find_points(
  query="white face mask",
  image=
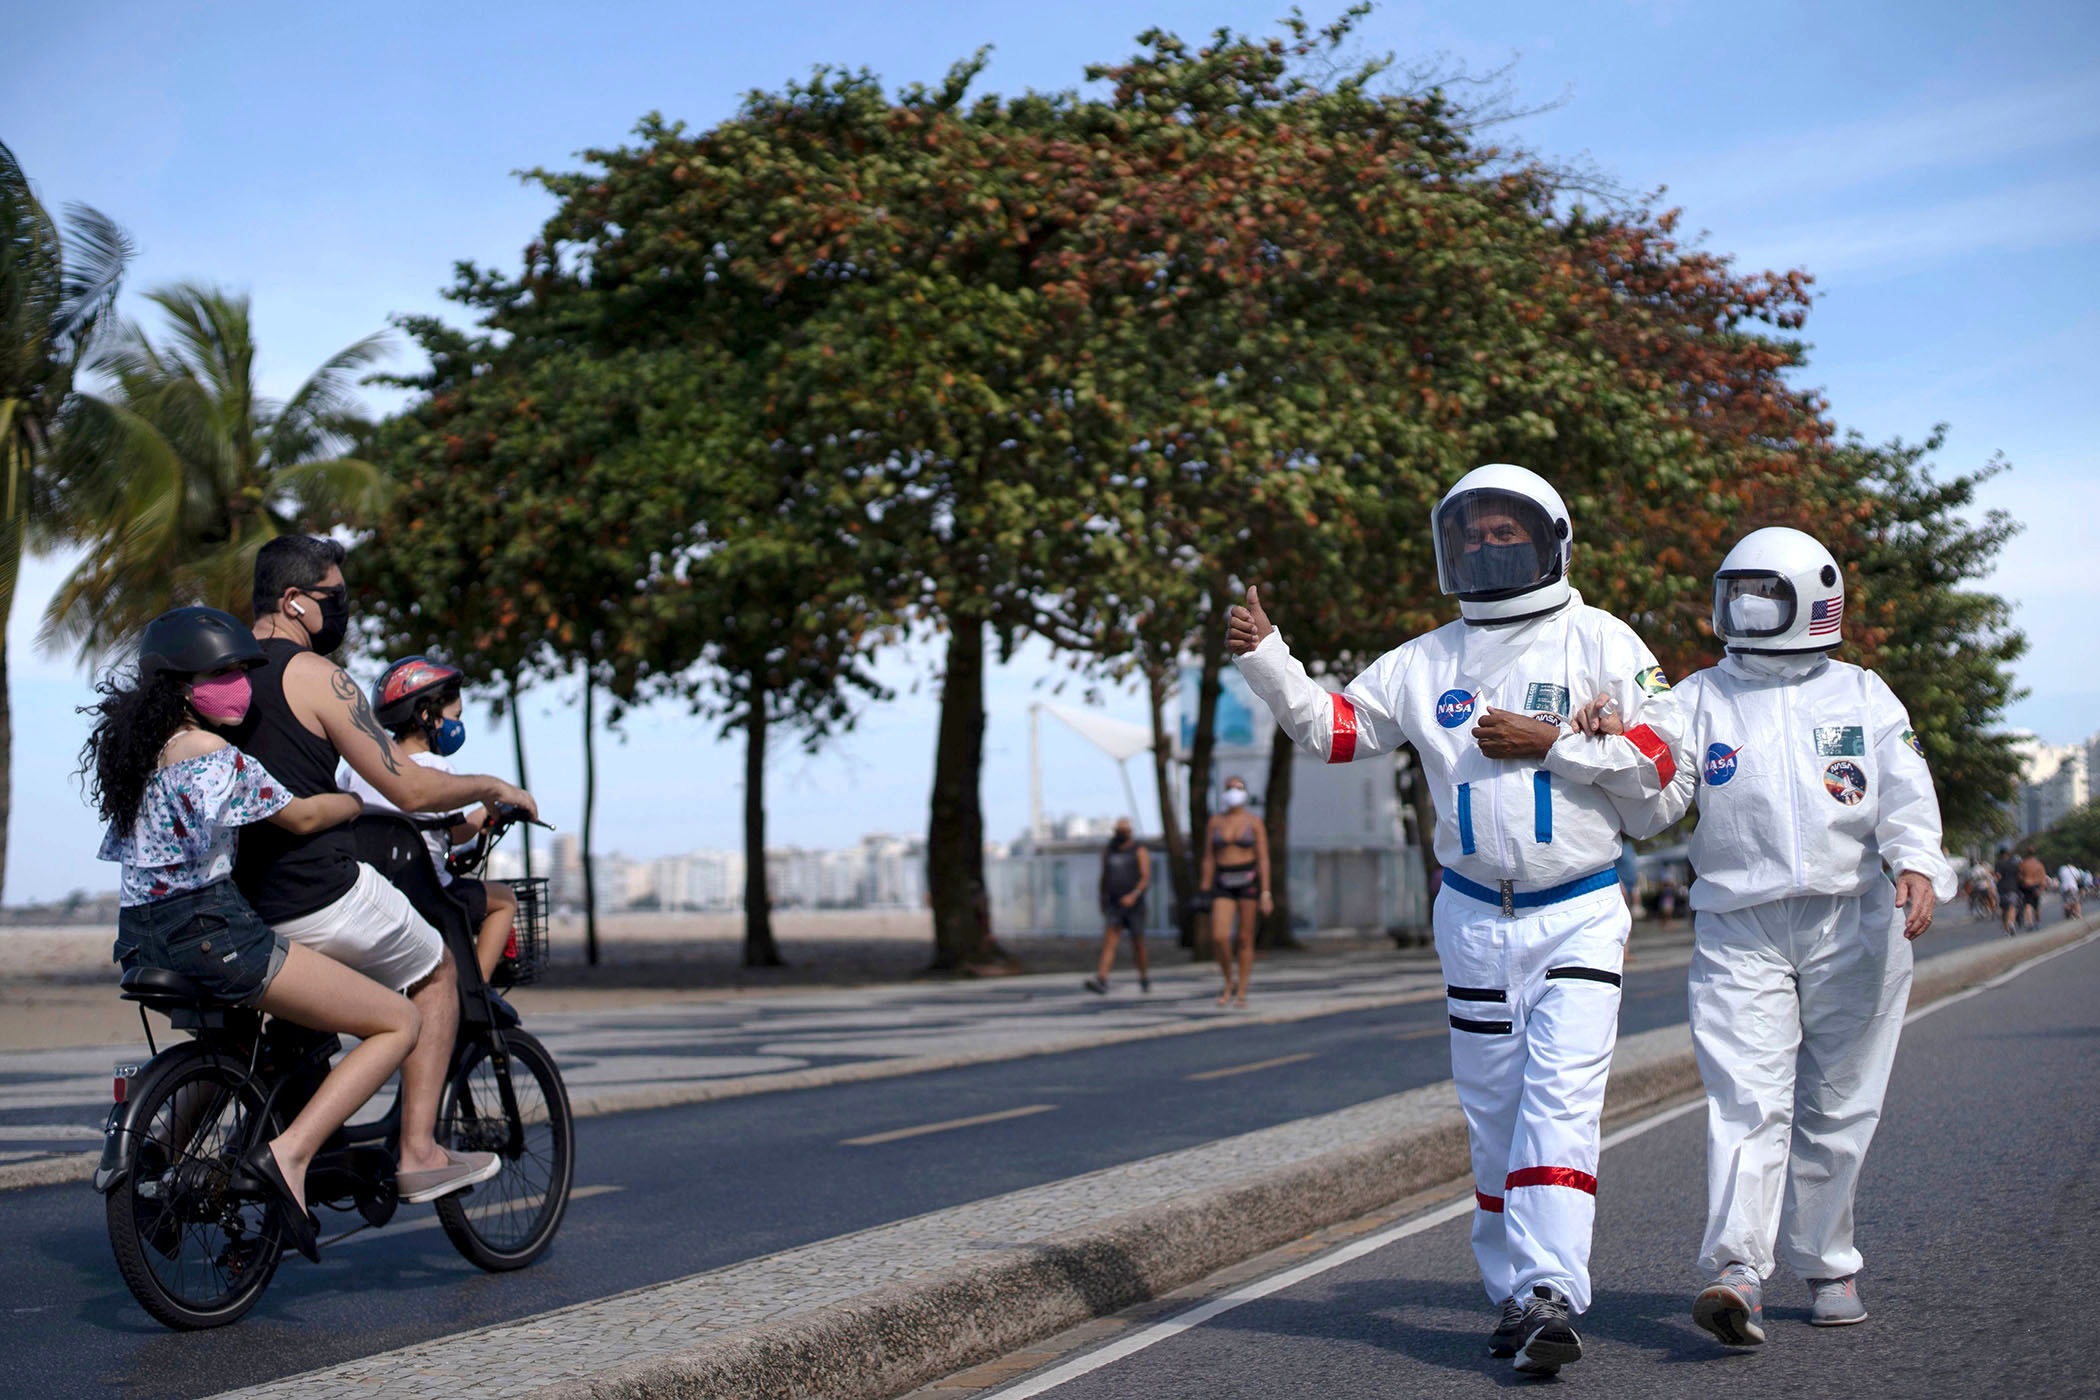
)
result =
(1235, 797)
(1752, 614)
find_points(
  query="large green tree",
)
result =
(172, 478)
(57, 287)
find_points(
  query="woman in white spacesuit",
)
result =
(1530, 927)
(1809, 779)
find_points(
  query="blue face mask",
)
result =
(445, 741)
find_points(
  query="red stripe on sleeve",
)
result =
(1551, 1176)
(1487, 1202)
(1343, 749)
(1654, 750)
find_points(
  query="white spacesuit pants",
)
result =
(1796, 1009)
(1534, 1007)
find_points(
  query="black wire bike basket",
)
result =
(525, 955)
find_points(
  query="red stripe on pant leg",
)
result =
(1343, 749)
(1654, 750)
(1551, 1176)
(1487, 1202)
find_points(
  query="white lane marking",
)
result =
(1253, 1292)
(1249, 1069)
(895, 1133)
(390, 1230)
(48, 1132)
(2000, 980)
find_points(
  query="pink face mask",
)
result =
(222, 699)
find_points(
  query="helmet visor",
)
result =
(1494, 544)
(1750, 606)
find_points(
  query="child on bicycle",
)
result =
(418, 701)
(175, 796)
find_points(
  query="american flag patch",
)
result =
(1824, 617)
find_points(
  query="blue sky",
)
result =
(1936, 166)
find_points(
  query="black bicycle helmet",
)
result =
(405, 682)
(196, 642)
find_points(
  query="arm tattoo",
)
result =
(361, 715)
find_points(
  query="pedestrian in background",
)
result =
(1236, 876)
(2008, 873)
(2033, 876)
(1809, 779)
(1126, 873)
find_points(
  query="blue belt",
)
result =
(1509, 901)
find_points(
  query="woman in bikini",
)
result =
(1236, 874)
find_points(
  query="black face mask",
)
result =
(1119, 840)
(1494, 567)
(335, 623)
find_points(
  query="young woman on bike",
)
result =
(1236, 874)
(175, 797)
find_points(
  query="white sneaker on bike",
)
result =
(461, 1170)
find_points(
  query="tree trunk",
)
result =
(517, 743)
(590, 802)
(1275, 930)
(759, 948)
(1209, 682)
(955, 883)
(1181, 874)
(11, 536)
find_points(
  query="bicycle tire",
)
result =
(196, 1106)
(507, 1221)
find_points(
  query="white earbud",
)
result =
(298, 611)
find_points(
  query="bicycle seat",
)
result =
(156, 986)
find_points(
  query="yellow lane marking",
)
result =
(895, 1133)
(1249, 1069)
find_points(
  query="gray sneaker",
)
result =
(461, 1170)
(1502, 1342)
(1837, 1302)
(1548, 1340)
(1732, 1307)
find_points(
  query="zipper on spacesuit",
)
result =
(1793, 780)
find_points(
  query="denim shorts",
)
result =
(210, 936)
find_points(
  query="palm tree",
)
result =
(177, 475)
(56, 289)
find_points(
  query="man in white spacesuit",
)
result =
(1530, 927)
(1809, 778)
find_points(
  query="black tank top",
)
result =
(283, 874)
(1119, 870)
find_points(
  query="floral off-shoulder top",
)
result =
(189, 822)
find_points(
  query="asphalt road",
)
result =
(1977, 1215)
(671, 1192)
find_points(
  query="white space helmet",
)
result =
(1503, 544)
(1779, 591)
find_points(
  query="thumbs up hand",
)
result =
(1247, 624)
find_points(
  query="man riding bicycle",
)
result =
(306, 716)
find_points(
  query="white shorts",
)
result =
(373, 929)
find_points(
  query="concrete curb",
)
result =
(905, 1335)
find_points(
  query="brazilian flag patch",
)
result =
(1652, 680)
(1910, 737)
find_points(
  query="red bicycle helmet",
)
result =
(406, 681)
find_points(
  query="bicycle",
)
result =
(197, 1240)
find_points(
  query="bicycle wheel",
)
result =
(506, 1221)
(195, 1249)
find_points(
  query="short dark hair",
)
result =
(292, 561)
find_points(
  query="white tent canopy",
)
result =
(1117, 738)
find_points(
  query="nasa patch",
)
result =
(1652, 680)
(1845, 781)
(1454, 707)
(1910, 737)
(1720, 764)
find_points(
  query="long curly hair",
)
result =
(135, 720)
